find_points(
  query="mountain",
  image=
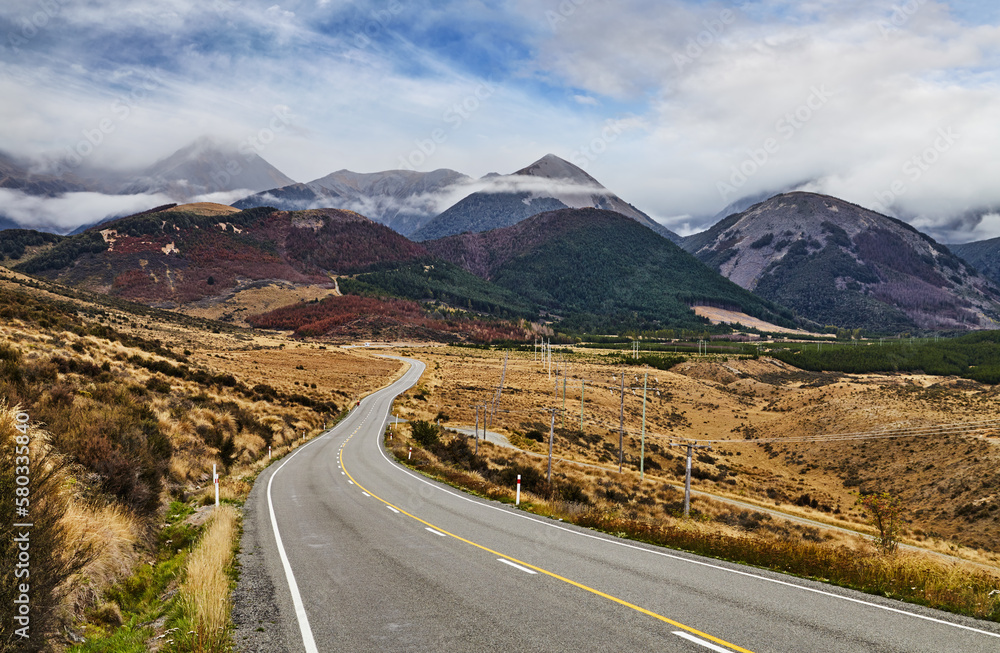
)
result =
(185, 254)
(403, 200)
(548, 184)
(599, 270)
(190, 252)
(206, 166)
(839, 264)
(17, 174)
(984, 255)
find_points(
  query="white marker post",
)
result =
(269, 452)
(215, 479)
(410, 454)
(517, 500)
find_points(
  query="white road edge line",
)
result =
(701, 642)
(400, 468)
(428, 528)
(525, 569)
(300, 609)
(393, 509)
(366, 494)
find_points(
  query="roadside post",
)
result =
(687, 477)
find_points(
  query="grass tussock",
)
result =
(205, 591)
(650, 512)
(114, 534)
(37, 560)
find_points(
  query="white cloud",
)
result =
(68, 211)
(702, 87)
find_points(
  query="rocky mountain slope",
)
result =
(547, 184)
(206, 166)
(984, 255)
(838, 264)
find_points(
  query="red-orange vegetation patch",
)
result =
(355, 316)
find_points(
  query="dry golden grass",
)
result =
(205, 590)
(204, 208)
(115, 535)
(237, 306)
(729, 400)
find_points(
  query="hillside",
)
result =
(836, 263)
(599, 270)
(486, 211)
(177, 257)
(548, 184)
(984, 255)
(214, 260)
(138, 405)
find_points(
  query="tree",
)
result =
(884, 513)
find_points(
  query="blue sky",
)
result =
(679, 107)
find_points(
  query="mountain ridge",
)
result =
(550, 183)
(837, 263)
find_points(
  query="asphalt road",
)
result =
(345, 550)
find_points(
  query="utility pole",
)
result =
(496, 398)
(550, 359)
(582, 384)
(621, 428)
(477, 432)
(642, 447)
(564, 399)
(687, 477)
(552, 435)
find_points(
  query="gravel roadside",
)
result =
(255, 605)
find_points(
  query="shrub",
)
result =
(424, 433)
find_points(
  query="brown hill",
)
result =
(189, 253)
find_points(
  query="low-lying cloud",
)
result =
(66, 212)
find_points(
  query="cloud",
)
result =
(68, 211)
(377, 84)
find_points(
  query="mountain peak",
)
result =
(837, 263)
(207, 165)
(551, 166)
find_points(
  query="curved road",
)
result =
(362, 554)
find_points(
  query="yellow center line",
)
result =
(676, 624)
